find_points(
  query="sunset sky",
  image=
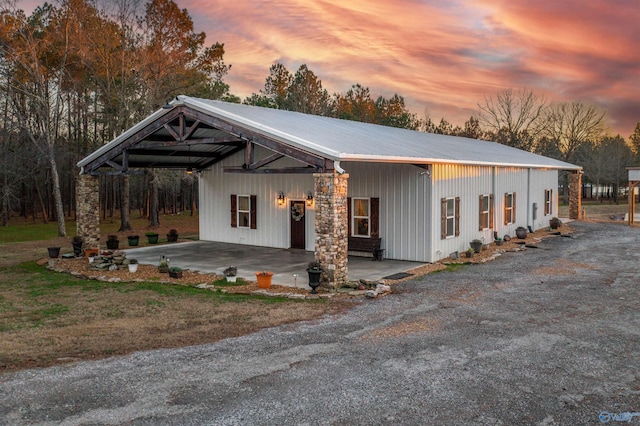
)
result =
(443, 56)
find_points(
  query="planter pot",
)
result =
(153, 239)
(231, 279)
(314, 279)
(499, 242)
(92, 252)
(476, 246)
(521, 233)
(470, 253)
(163, 269)
(54, 252)
(172, 238)
(133, 267)
(264, 279)
(133, 241)
(555, 223)
(173, 274)
(113, 244)
(77, 248)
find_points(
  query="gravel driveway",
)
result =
(545, 336)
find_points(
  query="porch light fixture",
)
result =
(309, 199)
(280, 198)
(189, 168)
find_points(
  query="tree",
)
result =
(569, 125)
(472, 129)
(355, 105)
(514, 117)
(37, 52)
(306, 93)
(174, 59)
(635, 143)
(393, 112)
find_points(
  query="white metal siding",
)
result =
(404, 210)
(273, 226)
(468, 183)
(410, 203)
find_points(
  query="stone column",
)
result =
(331, 226)
(88, 210)
(575, 195)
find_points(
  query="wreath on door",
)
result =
(297, 212)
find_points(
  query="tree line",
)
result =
(75, 75)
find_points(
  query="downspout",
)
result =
(495, 198)
(337, 168)
(529, 207)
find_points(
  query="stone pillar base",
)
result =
(88, 210)
(331, 226)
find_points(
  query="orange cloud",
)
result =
(444, 56)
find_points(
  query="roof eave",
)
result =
(426, 160)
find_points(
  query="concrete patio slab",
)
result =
(288, 265)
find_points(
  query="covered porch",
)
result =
(288, 265)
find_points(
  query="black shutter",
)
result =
(252, 211)
(375, 217)
(234, 211)
(443, 218)
(348, 216)
(457, 216)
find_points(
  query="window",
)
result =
(548, 202)
(363, 217)
(486, 212)
(509, 208)
(360, 217)
(450, 220)
(243, 211)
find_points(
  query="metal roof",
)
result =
(342, 140)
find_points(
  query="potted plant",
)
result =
(175, 272)
(91, 252)
(54, 252)
(133, 265)
(521, 232)
(112, 242)
(264, 279)
(76, 243)
(470, 251)
(499, 241)
(133, 240)
(230, 274)
(163, 267)
(314, 269)
(152, 237)
(555, 223)
(476, 245)
(172, 236)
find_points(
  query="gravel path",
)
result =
(545, 336)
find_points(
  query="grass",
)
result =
(49, 318)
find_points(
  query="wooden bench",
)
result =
(366, 245)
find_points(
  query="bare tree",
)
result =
(514, 117)
(569, 125)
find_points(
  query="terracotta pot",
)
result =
(91, 252)
(264, 279)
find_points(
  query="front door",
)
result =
(297, 224)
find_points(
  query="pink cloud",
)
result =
(441, 56)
